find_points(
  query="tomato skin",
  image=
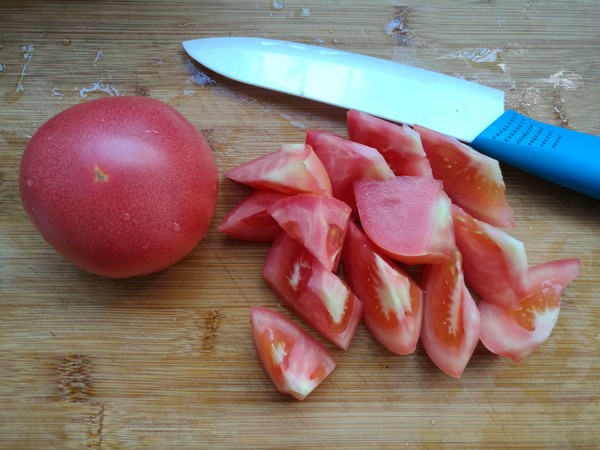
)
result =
(120, 186)
(515, 334)
(451, 323)
(295, 361)
(392, 302)
(316, 294)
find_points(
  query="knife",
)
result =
(467, 111)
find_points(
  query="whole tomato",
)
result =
(120, 186)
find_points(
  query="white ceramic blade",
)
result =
(383, 88)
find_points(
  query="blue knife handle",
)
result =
(562, 156)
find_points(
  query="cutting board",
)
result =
(166, 360)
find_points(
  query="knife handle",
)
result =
(562, 156)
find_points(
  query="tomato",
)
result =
(392, 302)
(515, 334)
(295, 361)
(318, 222)
(317, 295)
(408, 218)
(346, 162)
(399, 144)
(494, 263)
(451, 322)
(120, 186)
(249, 219)
(471, 179)
(291, 169)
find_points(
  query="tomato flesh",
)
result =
(317, 295)
(471, 179)
(517, 333)
(451, 322)
(295, 362)
(318, 222)
(400, 145)
(408, 218)
(292, 169)
(249, 219)
(392, 302)
(346, 162)
(494, 263)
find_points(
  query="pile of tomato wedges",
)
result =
(349, 217)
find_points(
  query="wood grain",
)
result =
(166, 361)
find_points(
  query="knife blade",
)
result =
(468, 111)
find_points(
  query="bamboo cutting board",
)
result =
(166, 361)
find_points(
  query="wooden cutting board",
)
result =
(166, 361)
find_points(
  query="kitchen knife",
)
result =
(468, 111)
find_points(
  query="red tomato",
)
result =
(451, 323)
(120, 186)
(471, 179)
(318, 222)
(295, 361)
(292, 169)
(494, 263)
(515, 334)
(346, 162)
(399, 144)
(317, 295)
(249, 219)
(392, 302)
(408, 218)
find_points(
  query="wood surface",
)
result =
(166, 361)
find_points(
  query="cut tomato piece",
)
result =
(451, 322)
(295, 361)
(249, 219)
(515, 334)
(494, 263)
(471, 179)
(346, 162)
(408, 218)
(292, 169)
(392, 302)
(318, 222)
(317, 295)
(400, 145)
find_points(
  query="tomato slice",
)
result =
(346, 162)
(317, 295)
(515, 334)
(392, 302)
(471, 179)
(317, 221)
(451, 322)
(408, 218)
(295, 361)
(494, 263)
(400, 145)
(292, 169)
(249, 219)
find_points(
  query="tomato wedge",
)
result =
(392, 302)
(295, 361)
(451, 322)
(346, 162)
(494, 263)
(408, 218)
(471, 179)
(249, 219)
(317, 295)
(400, 145)
(318, 222)
(515, 334)
(292, 169)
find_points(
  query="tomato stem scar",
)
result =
(100, 176)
